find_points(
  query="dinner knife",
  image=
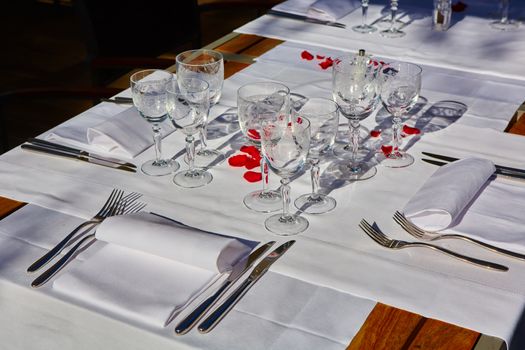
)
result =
(305, 18)
(501, 172)
(238, 270)
(211, 321)
(498, 167)
(118, 100)
(45, 143)
(65, 154)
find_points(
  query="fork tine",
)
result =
(377, 236)
(113, 204)
(108, 201)
(407, 225)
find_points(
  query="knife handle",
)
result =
(211, 321)
(189, 321)
(53, 151)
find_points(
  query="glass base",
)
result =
(397, 159)
(263, 202)
(319, 204)
(394, 33)
(192, 179)
(385, 23)
(160, 168)
(286, 226)
(363, 171)
(206, 157)
(364, 28)
(345, 152)
(505, 25)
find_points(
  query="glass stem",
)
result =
(285, 193)
(393, 12)
(190, 151)
(364, 11)
(354, 139)
(396, 134)
(263, 176)
(202, 136)
(314, 174)
(504, 11)
(157, 138)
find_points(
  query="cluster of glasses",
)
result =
(392, 30)
(185, 100)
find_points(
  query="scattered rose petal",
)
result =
(252, 176)
(459, 7)
(386, 150)
(254, 134)
(326, 63)
(252, 151)
(375, 133)
(238, 160)
(408, 130)
(305, 55)
(252, 163)
(319, 57)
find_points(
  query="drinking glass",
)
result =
(355, 88)
(364, 27)
(505, 23)
(148, 89)
(188, 104)
(285, 144)
(400, 87)
(207, 65)
(392, 31)
(257, 102)
(324, 121)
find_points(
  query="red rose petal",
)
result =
(459, 7)
(326, 63)
(254, 134)
(252, 176)
(252, 151)
(305, 55)
(252, 163)
(386, 149)
(319, 57)
(238, 160)
(408, 130)
(375, 133)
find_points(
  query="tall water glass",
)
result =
(392, 31)
(364, 27)
(505, 23)
(148, 89)
(355, 88)
(285, 144)
(188, 104)
(324, 120)
(256, 103)
(207, 65)
(400, 87)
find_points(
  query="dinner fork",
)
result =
(108, 209)
(417, 232)
(46, 275)
(380, 238)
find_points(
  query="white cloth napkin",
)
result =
(150, 269)
(327, 10)
(126, 135)
(442, 199)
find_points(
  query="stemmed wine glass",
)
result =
(188, 104)
(364, 27)
(285, 144)
(324, 121)
(355, 88)
(257, 102)
(400, 87)
(207, 65)
(505, 23)
(392, 31)
(148, 89)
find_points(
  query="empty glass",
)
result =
(355, 88)
(285, 144)
(364, 27)
(188, 104)
(400, 87)
(324, 121)
(505, 23)
(207, 65)
(392, 31)
(257, 102)
(148, 89)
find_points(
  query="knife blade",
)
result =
(216, 316)
(65, 154)
(49, 144)
(238, 270)
(497, 172)
(304, 18)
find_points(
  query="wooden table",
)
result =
(386, 328)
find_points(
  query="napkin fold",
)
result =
(332, 10)
(125, 134)
(445, 195)
(149, 269)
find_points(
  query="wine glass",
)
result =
(355, 88)
(392, 31)
(188, 104)
(257, 102)
(364, 27)
(400, 87)
(285, 143)
(207, 65)
(324, 121)
(148, 89)
(505, 23)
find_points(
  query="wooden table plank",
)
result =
(439, 335)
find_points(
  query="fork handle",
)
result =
(58, 248)
(479, 262)
(484, 245)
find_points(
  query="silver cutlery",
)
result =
(304, 18)
(114, 204)
(118, 100)
(46, 275)
(238, 270)
(216, 316)
(380, 238)
(417, 232)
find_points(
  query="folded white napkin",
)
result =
(149, 269)
(444, 196)
(125, 134)
(332, 10)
